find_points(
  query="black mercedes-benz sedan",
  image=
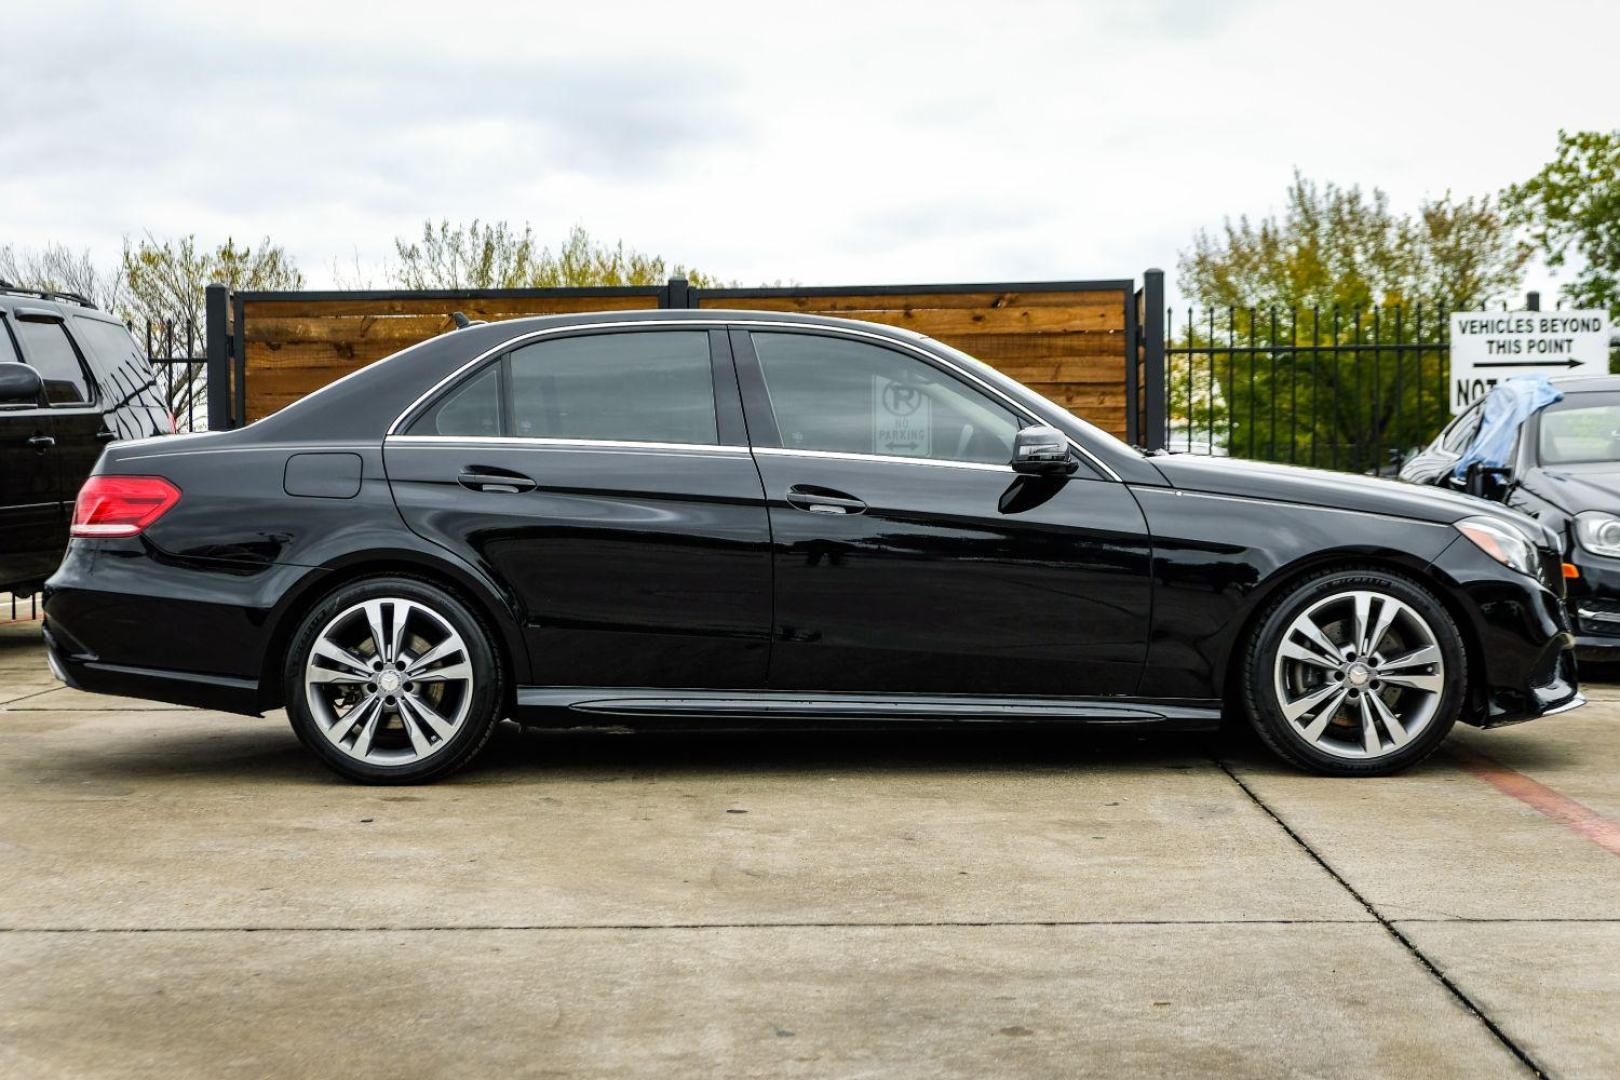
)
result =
(767, 520)
(1559, 463)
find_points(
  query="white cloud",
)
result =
(821, 143)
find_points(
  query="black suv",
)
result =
(71, 381)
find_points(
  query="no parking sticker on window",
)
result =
(902, 421)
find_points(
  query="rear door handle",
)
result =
(42, 442)
(820, 500)
(495, 481)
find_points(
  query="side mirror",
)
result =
(1488, 482)
(1042, 451)
(20, 384)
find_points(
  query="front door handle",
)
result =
(820, 500)
(42, 443)
(494, 481)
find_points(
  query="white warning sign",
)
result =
(1488, 346)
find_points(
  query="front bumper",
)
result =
(1519, 625)
(1594, 606)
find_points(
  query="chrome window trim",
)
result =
(895, 459)
(264, 448)
(519, 442)
(1017, 407)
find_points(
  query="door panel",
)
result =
(905, 560)
(631, 567)
(955, 580)
(81, 435)
(616, 502)
(33, 521)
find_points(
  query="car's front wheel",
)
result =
(392, 681)
(1355, 673)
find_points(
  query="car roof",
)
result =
(1586, 384)
(730, 315)
(62, 303)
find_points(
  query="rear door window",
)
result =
(655, 386)
(46, 346)
(472, 409)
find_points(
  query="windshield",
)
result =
(1582, 427)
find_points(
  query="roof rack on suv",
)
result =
(45, 294)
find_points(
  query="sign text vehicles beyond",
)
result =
(1488, 346)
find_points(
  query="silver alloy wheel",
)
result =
(389, 681)
(1359, 674)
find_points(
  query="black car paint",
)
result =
(46, 450)
(640, 581)
(1553, 494)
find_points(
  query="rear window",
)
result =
(109, 345)
(119, 364)
(45, 345)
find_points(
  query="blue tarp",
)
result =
(1509, 404)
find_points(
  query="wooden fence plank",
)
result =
(1067, 344)
(492, 309)
(827, 305)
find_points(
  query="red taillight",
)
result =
(121, 505)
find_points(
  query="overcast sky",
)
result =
(820, 143)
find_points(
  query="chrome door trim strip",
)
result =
(837, 331)
(838, 455)
(516, 442)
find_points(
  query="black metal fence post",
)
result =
(1155, 407)
(216, 301)
(679, 292)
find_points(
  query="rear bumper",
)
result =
(218, 692)
(120, 620)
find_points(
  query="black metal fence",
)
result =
(180, 369)
(1357, 390)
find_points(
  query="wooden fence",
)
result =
(1071, 341)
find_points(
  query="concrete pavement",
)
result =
(189, 894)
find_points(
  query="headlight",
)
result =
(1598, 532)
(1501, 542)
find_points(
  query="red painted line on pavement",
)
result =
(1602, 831)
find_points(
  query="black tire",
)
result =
(484, 697)
(1259, 686)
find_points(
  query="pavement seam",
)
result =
(5, 705)
(493, 927)
(1405, 942)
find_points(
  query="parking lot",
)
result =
(189, 894)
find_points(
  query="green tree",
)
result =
(1572, 206)
(165, 280)
(1339, 269)
(496, 255)
(165, 284)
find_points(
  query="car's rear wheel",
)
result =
(392, 681)
(1355, 673)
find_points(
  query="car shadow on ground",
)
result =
(250, 753)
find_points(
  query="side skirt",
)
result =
(627, 706)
